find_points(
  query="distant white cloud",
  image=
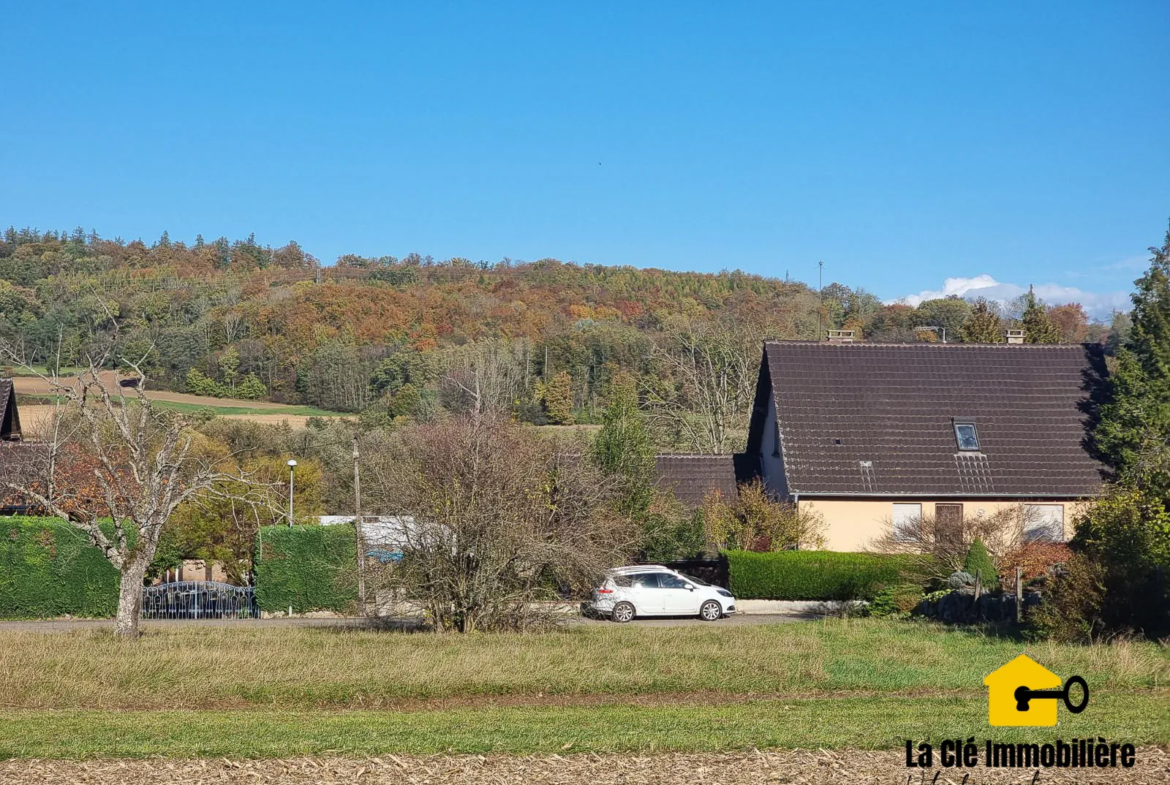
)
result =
(1097, 304)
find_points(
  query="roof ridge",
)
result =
(694, 454)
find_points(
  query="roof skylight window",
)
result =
(967, 436)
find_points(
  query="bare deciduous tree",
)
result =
(711, 372)
(109, 457)
(495, 519)
(488, 375)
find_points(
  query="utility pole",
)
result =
(357, 527)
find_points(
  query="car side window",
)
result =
(621, 580)
(646, 580)
(672, 582)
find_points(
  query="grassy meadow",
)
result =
(292, 411)
(255, 692)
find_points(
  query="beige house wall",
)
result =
(851, 524)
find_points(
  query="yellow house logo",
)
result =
(1024, 693)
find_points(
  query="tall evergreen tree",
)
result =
(1135, 424)
(1038, 328)
(623, 448)
(1127, 531)
(983, 325)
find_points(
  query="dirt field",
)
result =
(811, 768)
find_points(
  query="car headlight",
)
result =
(724, 593)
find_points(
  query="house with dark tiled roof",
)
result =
(874, 435)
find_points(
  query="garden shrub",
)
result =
(815, 575)
(310, 568)
(48, 568)
(897, 600)
(979, 563)
(1034, 559)
(1071, 608)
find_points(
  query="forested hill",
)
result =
(408, 335)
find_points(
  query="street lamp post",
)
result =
(292, 468)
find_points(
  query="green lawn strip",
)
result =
(296, 411)
(42, 370)
(864, 723)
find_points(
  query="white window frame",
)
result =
(1051, 527)
(907, 517)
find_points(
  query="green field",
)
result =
(295, 411)
(262, 692)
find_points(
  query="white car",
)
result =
(654, 590)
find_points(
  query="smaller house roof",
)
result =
(693, 477)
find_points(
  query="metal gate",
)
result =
(199, 600)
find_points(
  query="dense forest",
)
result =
(411, 337)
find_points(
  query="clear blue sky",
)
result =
(900, 143)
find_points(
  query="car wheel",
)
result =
(622, 612)
(711, 611)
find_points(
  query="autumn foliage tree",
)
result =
(983, 325)
(558, 399)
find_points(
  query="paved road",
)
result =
(66, 625)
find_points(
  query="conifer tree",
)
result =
(1135, 424)
(979, 561)
(983, 325)
(1127, 531)
(1038, 328)
(623, 449)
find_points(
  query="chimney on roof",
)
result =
(1015, 336)
(841, 336)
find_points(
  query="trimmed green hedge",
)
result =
(311, 568)
(48, 569)
(813, 575)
